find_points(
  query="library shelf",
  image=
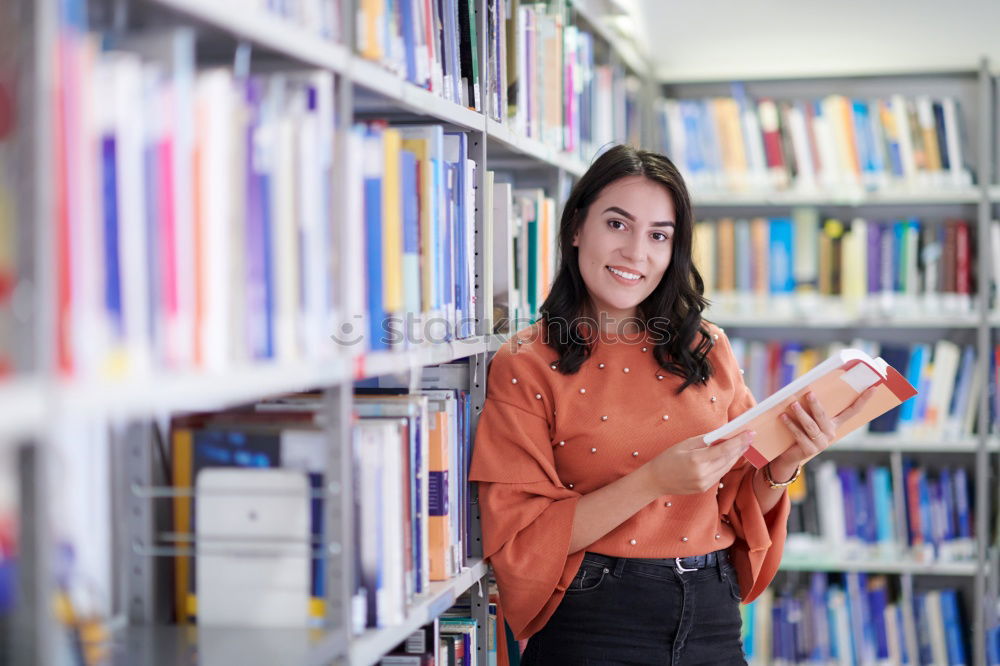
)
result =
(874, 565)
(509, 141)
(170, 392)
(904, 444)
(398, 94)
(152, 645)
(968, 195)
(149, 645)
(370, 646)
(265, 29)
(23, 408)
(825, 322)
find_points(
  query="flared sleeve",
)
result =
(760, 537)
(526, 512)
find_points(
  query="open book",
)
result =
(836, 382)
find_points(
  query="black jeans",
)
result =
(621, 611)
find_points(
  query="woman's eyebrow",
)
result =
(625, 213)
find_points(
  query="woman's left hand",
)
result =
(813, 429)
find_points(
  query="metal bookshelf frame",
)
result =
(35, 405)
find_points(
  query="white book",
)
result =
(502, 273)
(758, 177)
(958, 174)
(898, 105)
(351, 271)
(831, 505)
(944, 370)
(935, 627)
(281, 100)
(215, 109)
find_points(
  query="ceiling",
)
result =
(733, 39)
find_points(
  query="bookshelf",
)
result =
(125, 413)
(728, 193)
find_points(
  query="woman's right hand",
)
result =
(690, 467)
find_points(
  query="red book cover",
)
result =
(963, 274)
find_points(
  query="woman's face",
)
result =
(625, 244)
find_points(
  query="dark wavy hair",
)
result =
(678, 300)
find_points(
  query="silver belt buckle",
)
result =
(680, 568)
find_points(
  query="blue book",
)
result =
(897, 356)
(851, 523)
(954, 630)
(411, 231)
(878, 599)
(913, 371)
(820, 627)
(378, 339)
(112, 262)
(963, 514)
(880, 479)
(782, 254)
(864, 139)
(410, 41)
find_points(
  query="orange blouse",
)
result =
(544, 439)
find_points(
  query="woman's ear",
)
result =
(576, 238)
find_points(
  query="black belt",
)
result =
(688, 563)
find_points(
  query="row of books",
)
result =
(832, 144)
(209, 236)
(415, 200)
(193, 209)
(540, 74)
(943, 372)
(410, 453)
(798, 265)
(852, 512)
(523, 228)
(855, 621)
(450, 640)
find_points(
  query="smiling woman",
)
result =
(615, 534)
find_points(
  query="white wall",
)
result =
(733, 39)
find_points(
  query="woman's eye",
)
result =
(616, 224)
(659, 236)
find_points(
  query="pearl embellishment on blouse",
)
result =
(668, 504)
(538, 396)
(712, 399)
(570, 485)
(593, 450)
(583, 390)
(604, 418)
(684, 539)
(600, 365)
(659, 376)
(718, 536)
(643, 349)
(635, 454)
(633, 542)
(513, 380)
(666, 417)
(563, 443)
(624, 369)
